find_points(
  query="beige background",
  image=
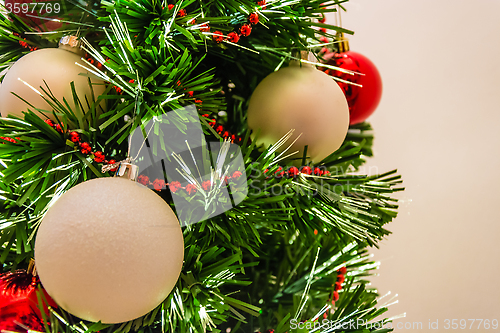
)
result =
(439, 123)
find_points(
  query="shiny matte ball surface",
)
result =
(362, 100)
(304, 99)
(57, 67)
(109, 250)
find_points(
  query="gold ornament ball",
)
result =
(109, 250)
(306, 100)
(58, 68)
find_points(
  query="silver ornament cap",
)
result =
(128, 171)
(71, 44)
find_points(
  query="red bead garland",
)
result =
(337, 286)
(222, 132)
(205, 27)
(180, 13)
(218, 36)
(74, 137)
(234, 37)
(158, 184)
(246, 30)
(7, 139)
(253, 18)
(294, 172)
(207, 185)
(191, 189)
(99, 157)
(175, 186)
(306, 169)
(142, 179)
(25, 44)
(84, 147)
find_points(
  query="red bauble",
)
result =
(19, 306)
(37, 13)
(362, 100)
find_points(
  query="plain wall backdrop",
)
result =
(439, 124)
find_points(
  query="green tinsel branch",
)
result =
(254, 267)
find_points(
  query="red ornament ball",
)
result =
(363, 100)
(19, 306)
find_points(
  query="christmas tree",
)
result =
(276, 226)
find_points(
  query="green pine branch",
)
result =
(275, 256)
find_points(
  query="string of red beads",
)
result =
(180, 13)
(91, 60)
(25, 44)
(7, 139)
(341, 272)
(160, 184)
(234, 37)
(84, 147)
(294, 172)
(337, 286)
(175, 186)
(222, 132)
